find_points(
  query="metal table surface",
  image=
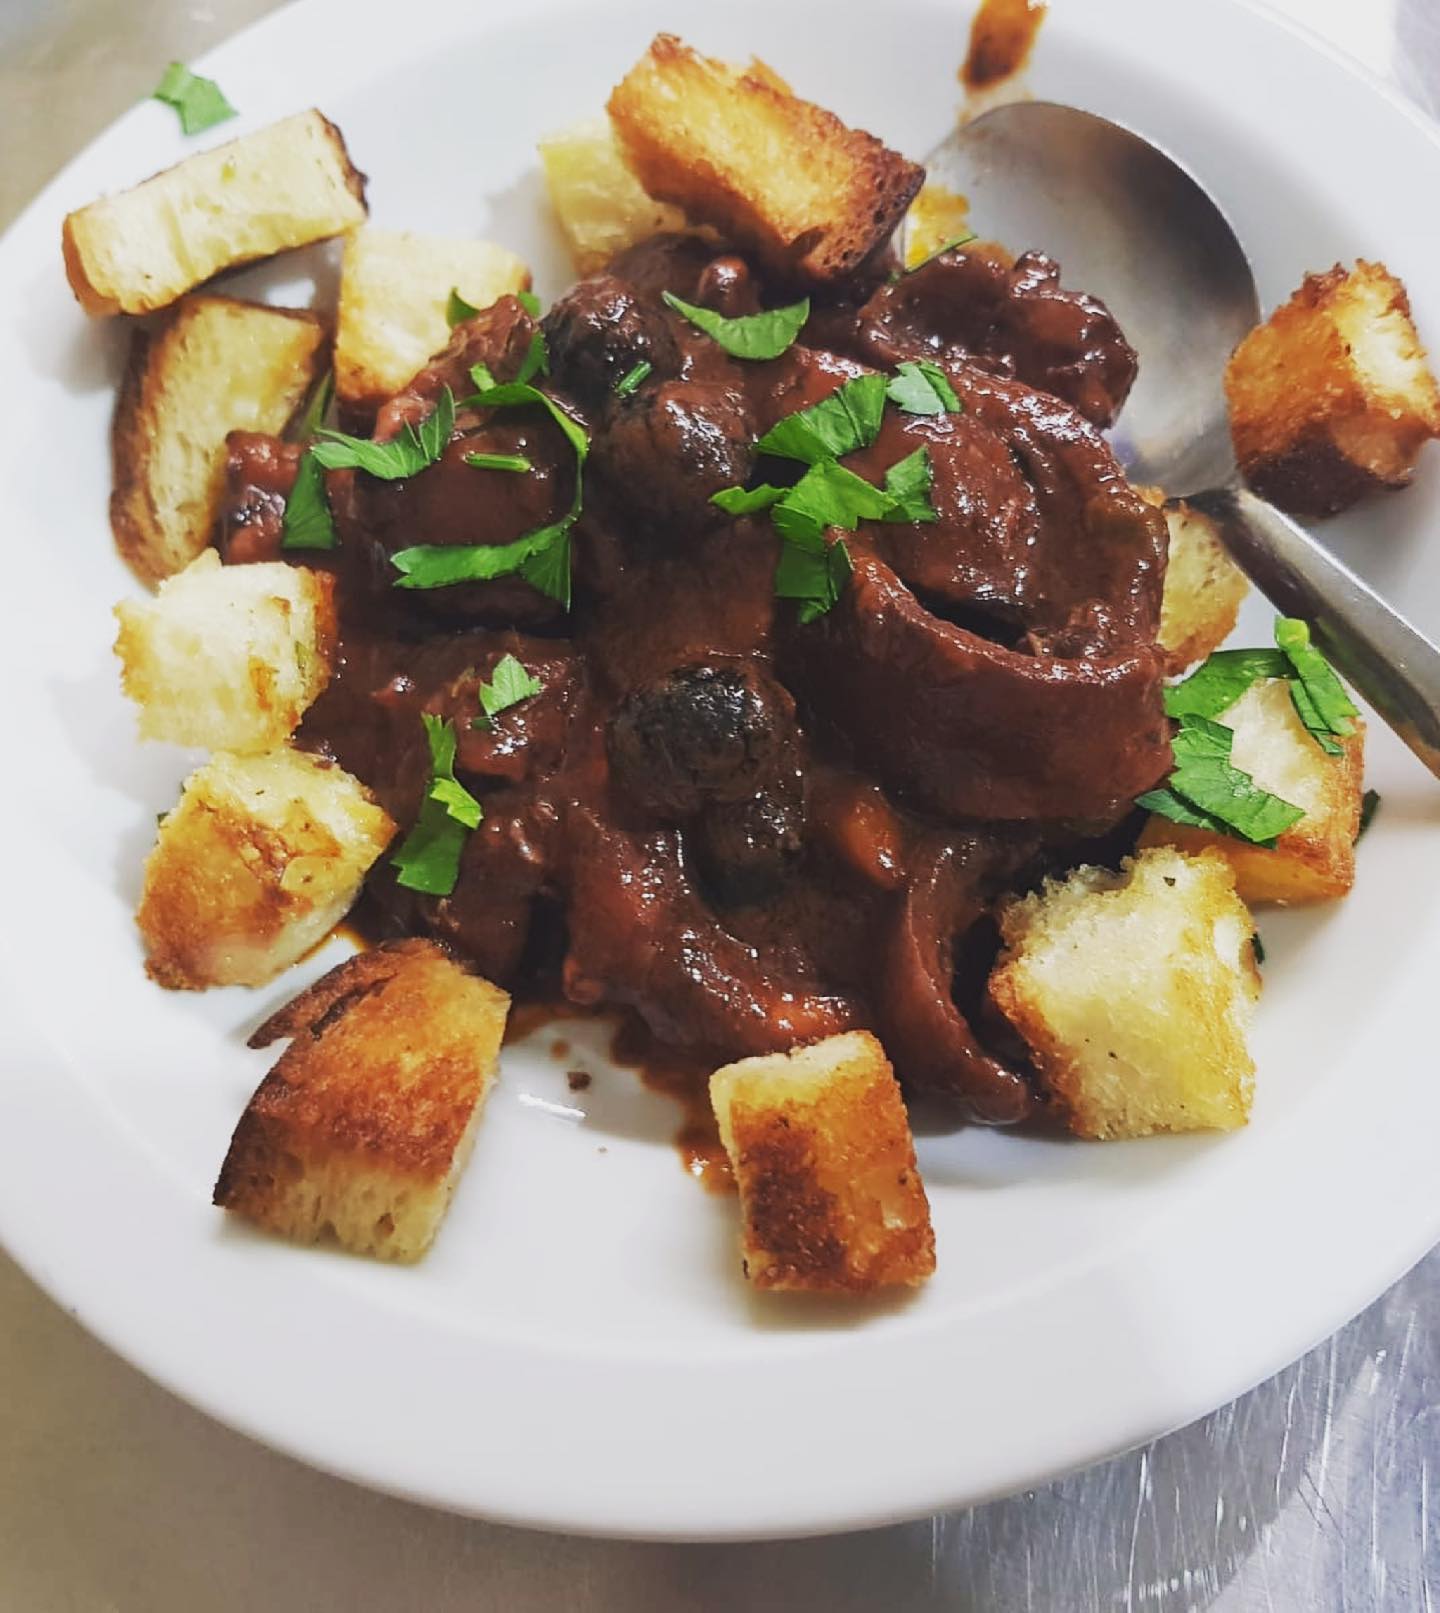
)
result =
(1309, 1494)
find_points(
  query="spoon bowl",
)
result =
(1130, 224)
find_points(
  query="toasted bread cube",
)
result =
(820, 1145)
(810, 197)
(600, 204)
(1204, 588)
(394, 291)
(228, 657)
(1314, 860)
(364, 1125)
(938, 216)
(215, 366)
(1134, 992)
(260, 860)
(1331, 398)
(285, 185)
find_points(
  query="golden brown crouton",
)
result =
(228, 657)
(601, 205)
(1204, 588)
(810, 197)
(1314, 860)
(1331, 398)
(1134, 992)
(394, 291)
(260, 860)
(364, 1125)
(285, 185)
(214, 366)
(829, 1190)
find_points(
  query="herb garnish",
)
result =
(1319, 696)
(457, 310)
(404, 455)
(200, 101)
(529, 302)
(923, 388)
(908, 483)
(509, 684)
(515, 462)
(812, 572)
(542, 557)
(307, 523)
(747, 500)
(632, 380)
(1215, 685)
(848, 419)
(1206, 791)
(429, 859)
(943, 248)
(752, 336)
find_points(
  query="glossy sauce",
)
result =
(1001, 39)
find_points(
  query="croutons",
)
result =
(260, 859)
(1331, 398)
(810, 197)
(215, 366)
(600, 204)
(1314, 860)
(362, 1128)
(228, 657)
(285, 185)
(394, 291)
(830, 1194)
(1134, 992)
(1204, 588)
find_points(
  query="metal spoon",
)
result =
(1128, 223)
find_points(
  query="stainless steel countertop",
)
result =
(1312, 1493)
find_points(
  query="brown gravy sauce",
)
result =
(1001, 39)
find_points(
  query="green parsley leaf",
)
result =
(908, 483)
(752, 336)
(634, 379)
(529, 302)
(405, 455)
(481, 376)
(923, 388)
(307, 522)
(746, 501)
(940, 251)
(429, 858)
(509, 684)
(1369, 806)
(457, 310)
(200, 101)
(516, 394)
(516, 462)
(848, 419)
(1215, 685)
(315, 410)
(1319, 696)
(814, 573)
(1207, 791)
(536, 360)
(829, 495)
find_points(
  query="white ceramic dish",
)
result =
(578, 1350)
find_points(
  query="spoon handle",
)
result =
(1393, 665)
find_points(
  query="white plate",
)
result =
(578, 1350)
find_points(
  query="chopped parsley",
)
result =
(200, 102)
(752, 336)
(908, 483)
(848, 419)
(947, 246)
(633, 380)
(509, 684)
(315, 410)
(1206, 791)
(404, 455)
(529, 302)
(515, 462)
(1319, 696)
(542, 557)
(1215, 685)
(307, 522)
(747, 500)
(812, 572)
(429, 859)
(457, 310)
(922, 388)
